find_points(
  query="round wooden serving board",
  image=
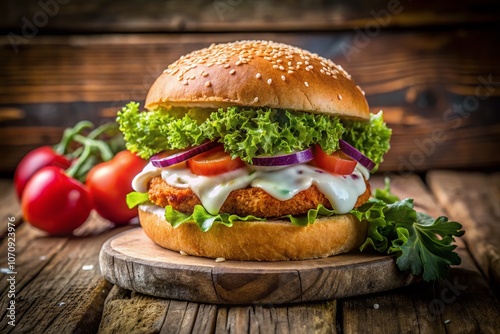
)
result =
(132, 261)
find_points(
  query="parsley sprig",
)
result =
(421, 244)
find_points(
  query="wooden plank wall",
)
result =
(431, 66)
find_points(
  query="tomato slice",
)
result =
(336, 163)
(213, 162)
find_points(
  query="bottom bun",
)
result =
(257, 240)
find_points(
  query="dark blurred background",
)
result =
(432, 66)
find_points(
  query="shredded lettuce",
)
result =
(247, 132)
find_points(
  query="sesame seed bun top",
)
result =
(259, 74)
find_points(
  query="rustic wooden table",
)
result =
(433, 69)
(59, 289)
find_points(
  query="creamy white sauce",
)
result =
(152, 208)
(341, 190)
(212, 191)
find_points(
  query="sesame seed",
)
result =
(306, 83)
(359, 88)
(232, 71)
(208, 84)
(256, 99)
(220, 259)
(183, 253)
(286, 58)
(340, 97)
(269, 81)
(185, 83)
(283, 78)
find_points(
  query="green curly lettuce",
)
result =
(148, 133)
(370, 138)
(247, 132)
(203, 219)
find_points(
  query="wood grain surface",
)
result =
(54, 293)
(479, 212)
(438, 93)
(168, 274)
(240, 15)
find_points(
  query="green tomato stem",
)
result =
(75, 168)
(69, 134)
(104, 128)
(104, 150)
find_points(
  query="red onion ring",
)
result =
(285, 160)
(169, 158)
(356, 155)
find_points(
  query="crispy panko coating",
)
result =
(243, 202)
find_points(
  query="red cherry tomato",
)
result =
(33, 162)
(336, 163)
(110, 182)
(54, 202)
(213, 162)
